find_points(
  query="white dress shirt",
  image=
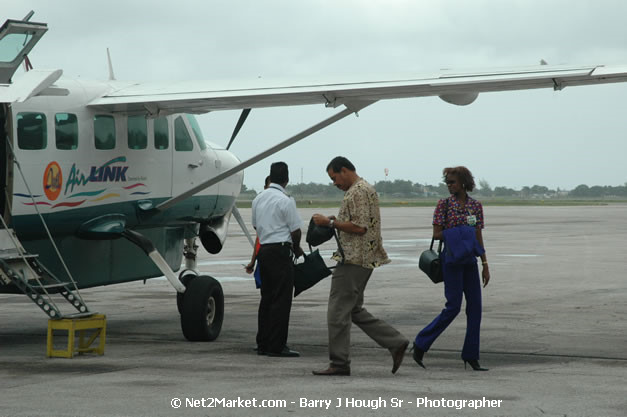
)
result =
(275, 215)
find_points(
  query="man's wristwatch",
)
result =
(331, 223)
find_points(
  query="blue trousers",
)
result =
(458, 280)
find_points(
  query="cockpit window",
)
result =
(182, 139)
(197, 132)
(32, 132)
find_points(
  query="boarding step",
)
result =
(79, 315)
(14, 254)
(53, 286)
(89, 328)
(30, 276)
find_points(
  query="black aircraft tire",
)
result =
(202, 309)
(179, 296)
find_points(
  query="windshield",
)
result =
(197, 131)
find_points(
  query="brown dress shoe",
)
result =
(285, 353)
(331, 371)
(397, 356)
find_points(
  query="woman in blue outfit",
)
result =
(458, 221)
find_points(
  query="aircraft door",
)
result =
(148, 157)
(17, 38)
(4, 157)
(193, 162)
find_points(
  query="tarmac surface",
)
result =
(554, 335)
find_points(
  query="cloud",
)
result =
(557, 139)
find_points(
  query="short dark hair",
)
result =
(279, 173)
(463, 174)
(340, 162)
(267, 182)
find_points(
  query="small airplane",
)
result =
(105, 182)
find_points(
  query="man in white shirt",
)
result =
(278, 225)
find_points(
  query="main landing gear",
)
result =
(199, 298)
(201, 307)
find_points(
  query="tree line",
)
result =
(409, 189)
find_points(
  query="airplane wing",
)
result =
(459, 88)
(454, 87)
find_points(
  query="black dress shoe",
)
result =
(398, 355)
(285, 353)
(331, 371)
(474, 364)
(418, 355)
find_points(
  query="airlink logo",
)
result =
(103, 173)
(53, 181)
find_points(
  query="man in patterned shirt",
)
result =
(359, 228)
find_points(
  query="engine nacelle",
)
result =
(460, 99)
(212, 235)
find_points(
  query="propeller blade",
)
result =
(238, 126)
(241, 223)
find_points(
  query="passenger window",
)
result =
(137, 132)
(104, 132)
(182, 139)
(197, 132)
(32, 132)
(162, 137)
(66, 131)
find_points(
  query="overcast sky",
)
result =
(558, 139)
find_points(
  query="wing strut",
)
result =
(351, 108)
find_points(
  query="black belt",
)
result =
(289, 244)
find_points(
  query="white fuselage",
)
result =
(75, 157)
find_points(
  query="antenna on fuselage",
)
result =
(111, 75)
(28, 16)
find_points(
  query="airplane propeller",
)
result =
(236, 213)
(238, 126)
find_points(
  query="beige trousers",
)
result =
(345, 306)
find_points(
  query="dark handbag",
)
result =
(317, 235)
(310, 272)
(430, 263)
(313, 269)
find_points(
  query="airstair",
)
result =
(29, 276)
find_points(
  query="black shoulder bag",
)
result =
(314, 269)
(430, 262)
